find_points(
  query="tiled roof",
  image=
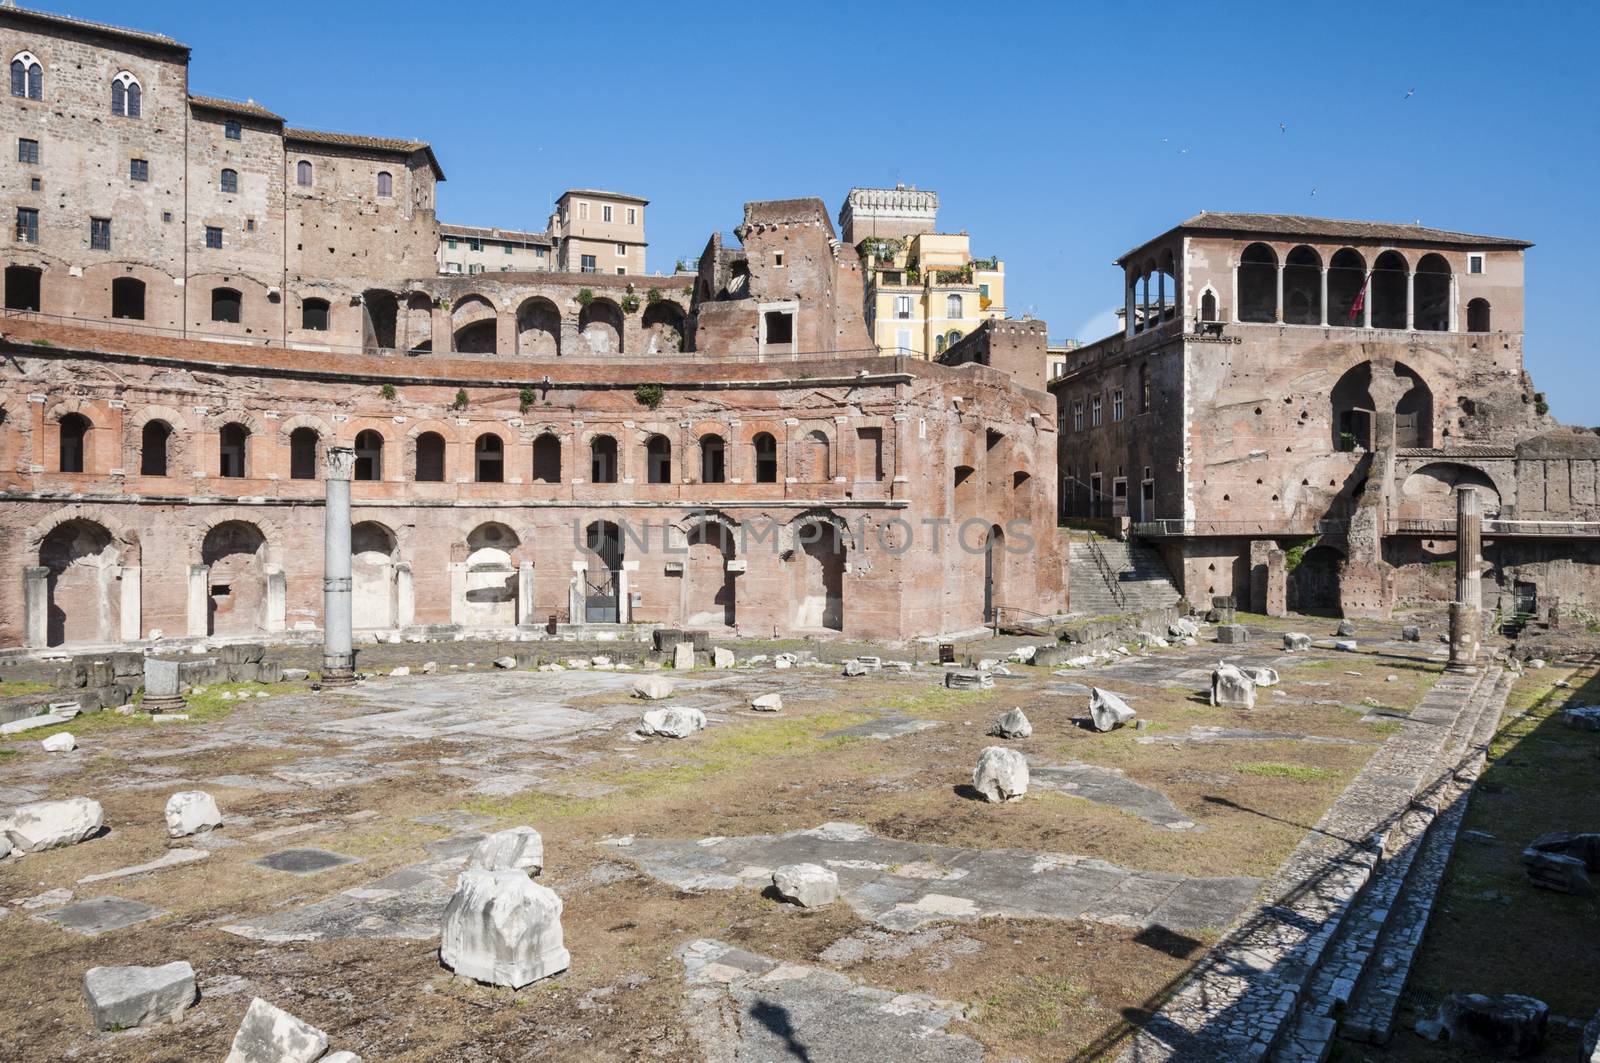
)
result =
(607, 195)
(474, 232)
(355, 140)
(1300, 225)
(68, 22)
(249, 108)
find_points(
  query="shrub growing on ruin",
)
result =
(649, 395)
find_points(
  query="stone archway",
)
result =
(234, 553)
(490, 586)
(82, 600)
(820, 558)
(709, 591)
(372, 576)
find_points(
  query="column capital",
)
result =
(340, 462)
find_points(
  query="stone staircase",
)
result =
(1109, 577)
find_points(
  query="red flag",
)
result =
(1361, 298)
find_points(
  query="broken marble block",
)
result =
(652, 687)
(1233, 634)
(512, 849)
(854, 667)
(1563, 861)
(505, 662)
(1262, 676)
(683, 657)
(42, 825)
(767, 703)
(269, 1034)
(722, 657)
(1107, 711)
(1001, 774)
(1013, 724)
(1586, 718)
(672, 723)
(1504, 1027)
(60, 742)
(808, 885)
(340, 1057)
(191, 812)
(1296, 640)
(503, 928)
(1346, 645)
(1232, 689)
(1346, 629)
(121, 998)
(960, 680)
(1411, 633)
(1182, 627)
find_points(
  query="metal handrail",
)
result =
(1108, 575)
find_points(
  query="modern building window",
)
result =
(125, 95)
(938, 344)
(230, 180)
(1116, 405)
(583, 211)
(226, 305)
(474, 245)
(1474, 263)
(233, 450)
(99, 234)
(622, 250)
(385, 184)
(314, 315)
(953, 307)
(1094, 412)
(302, 173)
(214, 236)
(451, 243)
(74, 431)
(138, 169)
(983, 291)
(1077, 415)
(27, 77)
(633, 216)
(605, 212)
(587, 263)
(622, 271)
(27, 225)
(507, 248)
(902, 340)
(232, 130)
(902, 306)
(27, 150)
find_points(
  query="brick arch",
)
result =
(214, 421)
(348, 430)
(473, 519)
(126, 538)
(789, 533)
(180, 446)
(92, 410)
(288, 426)
(272, 532)
(800, 442)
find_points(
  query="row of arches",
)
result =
(1347, 291)
(601, 326)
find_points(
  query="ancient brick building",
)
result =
(725, 451)
(1297, 382)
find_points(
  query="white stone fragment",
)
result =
(60, 742)
(1347, 645)
(505, 662)
(672, 723)
(191, 812)
(1296, 640)
(1013, 724)
(503, 928)
(683, 657)
(1232, 688)
(400, 671)
(652, 688)
(1107, 711)
(1262, 676)
(1001, 774)
(767, 703)
(428, 668)
(808, 885)
(269, 1034)
(45, 825)
(722, 657)
(512, 849)
(340, 1057)
(31, 723)
(121, 998)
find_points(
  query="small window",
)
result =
(232, 131)
(507, 248)
(230, 180)
(1116, 405)
(451, 243)
(27, 77)
(605, 212)
(588, 263)
(780, 326)
(99, 234)
(902, 306)
(622, 271)
(1094, 412)
(622, 250)
(314, 315)
(953, 308)
(214, 237)
(1474, 263)
(138, 169)
(385, 184)
(474, 245)
(249, 225)
(125, 95)
(166, 216)
(27, 150)
(74, 430)
(983, 291)
(777, 259)
(302, 173)
(35, 184)
(225, 305)
(1077, 416)
(633, 216)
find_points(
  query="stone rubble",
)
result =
(767, 703)
(507, 662)
(512, 849)
(269, 1034)
(1013, 724)
(808, 885)
(1001, 774)
(1231, 688)
(672, 723)
(683, 657)
(652, 688)
(1107, 711)
(191, 812)
(1295, 641)
(503, 928)
(722, 657)
(41, 825)
(1261, 676)
(120, 998)
(60, 742)
(967, 680)
(1505, 1027)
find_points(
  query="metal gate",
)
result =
(600, 597)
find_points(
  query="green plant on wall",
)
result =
(630, 303)
(1540, 405)
(387, 391)
(1293, 556)
(653, 296)
(649, 395)
(461, 399)
(585, 297)
(525, 399)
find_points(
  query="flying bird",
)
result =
(1282, 128)
(1313, 189)
(1409, 94)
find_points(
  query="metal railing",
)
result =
(1107, 574)
(1179, 528)
(1541, 529)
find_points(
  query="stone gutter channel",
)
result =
(1358, 887)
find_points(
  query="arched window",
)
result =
(302, 174)
(1258, 284)
(385, 184)
(603, 460)
(713, 460)
(766, 453)
(938, 344)
(952, 308)
(369, 455)
(1478, 316)
(489, 459)
(1302, 287)
(74, 432)
(953, 337)
(1347, 275)
(658, 459)
(1387, 290)
(226, 305)
(233, 450)
(1431, 294)
(430, 458)
(125, 95)
(314, 315)
(27, 77)
(153, 440)
(230, 180)
(1208, 306)
(547, 459)
(303, 454)
(127, 298)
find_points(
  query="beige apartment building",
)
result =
(470, 249)
(599, 232)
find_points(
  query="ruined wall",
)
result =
(1014, 347)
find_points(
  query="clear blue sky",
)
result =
(1059, 135)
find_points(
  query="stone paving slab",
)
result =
(746, 1008)
(902, 885)
(1111, 786)
(173, 858)
(407, 905)
(1242, 734)
(98, 915)
(303, 861)
(516, 706)
(884, 728)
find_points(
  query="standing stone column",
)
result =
(1466, 612)
(36, 606)
(338, 656)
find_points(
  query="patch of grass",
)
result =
(209, 707)
(17, 687)
(1274, 770)
(1031, 1007)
